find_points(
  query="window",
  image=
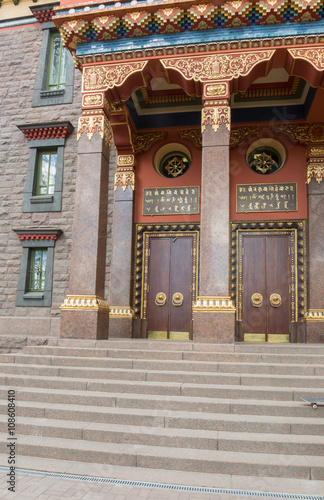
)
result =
(55, 71)
(58, 60)
(36, 270)
(46, 172)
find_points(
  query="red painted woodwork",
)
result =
(170, 272)
(294, 170)
(148, 177)
(266, 270)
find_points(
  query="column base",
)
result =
(121, 322)
(84, 325)
(214, 320)
(218, 328)
(84, 317)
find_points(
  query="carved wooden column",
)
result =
(214, 313)
(121, 312)
(315, 174)
(85, 311)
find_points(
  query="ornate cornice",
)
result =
(42, 131)
(43, 13)
(214, 305)
(217, 66)
(85, 303)
(95, 121)
(193, 135)
(108, 76)
(38, 234)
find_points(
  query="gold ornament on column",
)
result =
(95, 121)
(215, 116)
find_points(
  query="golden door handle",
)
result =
(177, 299)
(160, 299)
(256, 300)
(275, 300)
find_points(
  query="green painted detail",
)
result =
(196, 101)
(276, 95)
(37, 268)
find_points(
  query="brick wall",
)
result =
(19, 54)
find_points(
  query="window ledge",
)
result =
(34, 295)
(42, 199)
(51, 93)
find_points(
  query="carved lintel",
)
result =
(107, 76)
(214, 305)
(315, 56)
(305, 133)
(214, 116)
(193, 135)
(84, 303)
(217, 66)
(95, 121)
(238, 135)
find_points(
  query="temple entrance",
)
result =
(169, 285)
(266, 281)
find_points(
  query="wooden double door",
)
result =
(266, 286)
(169, 285)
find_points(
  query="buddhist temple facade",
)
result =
(163, 168)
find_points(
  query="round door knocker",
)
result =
(256, 300)
(275, 300)
(160, 299)
(177, 299)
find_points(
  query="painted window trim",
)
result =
(44, 203)
(42, 95)
(24, 296)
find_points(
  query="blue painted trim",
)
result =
(18, 22)
(208, 36)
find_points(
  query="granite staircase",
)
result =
(219, 409)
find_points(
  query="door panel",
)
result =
(278, 280)
(158, 316)
(254, 281)
(180, 282)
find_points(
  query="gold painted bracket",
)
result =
(85, 303)
(214, 305)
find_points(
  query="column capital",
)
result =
(125, 175)
(315, 163)
(216, 90)
(215, 113)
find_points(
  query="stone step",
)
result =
(173, 403)
(151, 354)
(145, 344)
(167, 388)
(218, 378)
(165, 418)
(169, 437)
(208, 461)
(182, 365)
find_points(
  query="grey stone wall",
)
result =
(19, 53)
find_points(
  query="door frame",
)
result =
(297, 230)
(194, 271)
(143, 232)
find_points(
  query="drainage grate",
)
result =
(174, 487)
